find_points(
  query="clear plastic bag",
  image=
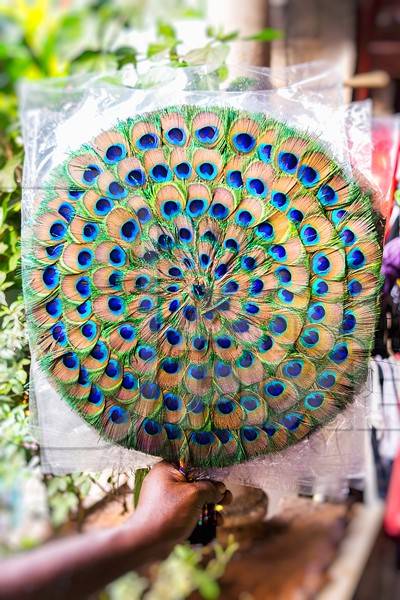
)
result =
(59, 115)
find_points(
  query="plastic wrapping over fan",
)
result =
(58, 117)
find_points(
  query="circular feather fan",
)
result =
(202, 285)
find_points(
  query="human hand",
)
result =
(169, 506)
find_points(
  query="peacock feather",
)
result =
(202, 284)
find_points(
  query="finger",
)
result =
(226, 498)
(211, 491)
(165, 468)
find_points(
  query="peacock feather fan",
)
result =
(202, 285)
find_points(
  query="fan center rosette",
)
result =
(202, 285)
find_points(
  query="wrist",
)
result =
(143, 538)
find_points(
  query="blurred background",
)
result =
(314, 547)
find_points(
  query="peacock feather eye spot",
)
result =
(251, 308)
(146, 353)
(174, 305)
(51, 277)
(83, 287)
(244, 218)
(199, 343)
(58, 333)
(231, 244)
(224, 435)
(244, 142)
(204, 260)
(99, 352)
(230, 287)
(127, 332)
(190, 313)
(209, 315)
(113, 368)
(296, 216)
(248, 263)
(264, 152)
(67, 211)
(183, 170)
(293, 368)
(85, 258)
(185, 235)
(210, 237)
(256, 286)
(173, 336)
(70, 360)
(354, 287)
(278, 252)
(136, 177)
(207, 170)
(160, 173)
(320, 288)
(220, 271)
(188, 262)
(54, 251)
(265, 343)
(286, 295)
(356, 258)
(150, 390)
(171, 208)
(117, 256)
(129, 381)
(339, 353)
(90, 231)
(348, 237)
(326, 379)
(142, 282)
(58, 230)
(83, 378)
(288, 162)
(207, 134)
(91, 173)
(118, 415)
(327, 195)
(265, 230)
(196, 207)
(115, 153)
(95, 395)
(204, 438)
(249, 403)
(74, 193)
(156, 323)
(313, 400)
(279, 200)
(116, 304)
(316, 312)
(225, 406)
(246, 360)
(146, 304)
(234, 179)
(270, 429)
(250, 433)
(256, 187)
(274, 388)
(172, 402)
(114, 279)
(170, 366)
(310, 337)
(129, 230)
(222, 369)
(150, 256)
(278, 325)
(117, 190)
(165, 241)
(224, 342)
(219, 211)
(309, 235)
(284, 275)
(321, 263)
(308, 176)
(54, 307)
(103, 206)
(173, 431)
(176, 135)
(349, 322)
(175, 272)
(148, 141)
(292, 421)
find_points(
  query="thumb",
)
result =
(211, 492)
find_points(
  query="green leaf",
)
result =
(265, 35)
(166, 30)
(7, 174)
(140, 474)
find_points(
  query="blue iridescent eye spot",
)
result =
(147, 141)
(326, 379)
(309, 235)
(82, 286)
(224, 342)
(85, 258)
(185, 235)
(113, 369)
(136, 178)
(70, 360)
(243, 142)
(142, 282)
(175, 272)
(116, 190)
(172, 402)
(348, 237)
(308, 176)
(278, 325)
(288, 162)
(116, 305)
(151, 427)
(161, 173)
(327, 195)
(314, 400)
(59, 334)
(349, 322)
(170, 366)
(320, 288)
(174, 305)
(339, 353)
(231, 244)
(207, 134)
(54, 307)
(249, 403)
(170, 209)
(91, 173)
(143, 214)
(244, 218)
(230, 287)
(265, 230)
(58, 229)
(115, 153)
(190, 313)
(51, 277)
(75, 193)
(222, 369)
(277, 252)
(285, 296)
(256, 287)
(338, 215)
(274, 388)
(264, 152)
(118, 415)
(251, 308)
(95, 395)
(54, 251)
(83, 378)
(234, 179)
(129, 381)
(265, 343)
(207, 170)
(99, 352)
(173, 431)
(173, 337)
(183, 170)
(296, 216)
(248, 263)
(220, 271)
(196, 207)
(356, 259)
(146, 353)
(203, 438)
(224, 435)
(84, 309)
(292, 421)
(246, 360)
(240, 326)
(146, 304)
(225, 406)
(218, 211)
(284, 275)
(117, 256)
(199, 343)
(90, 232)
(354, 287)
(156, 323)
(127, 332)
(176, 136)
(279, 200)
(321, 264)
(316, 313)
(250, 434)
(67, 211)
(293, 368)
(103, 206)
(309, 337)
(204, 260)
(256, 187)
